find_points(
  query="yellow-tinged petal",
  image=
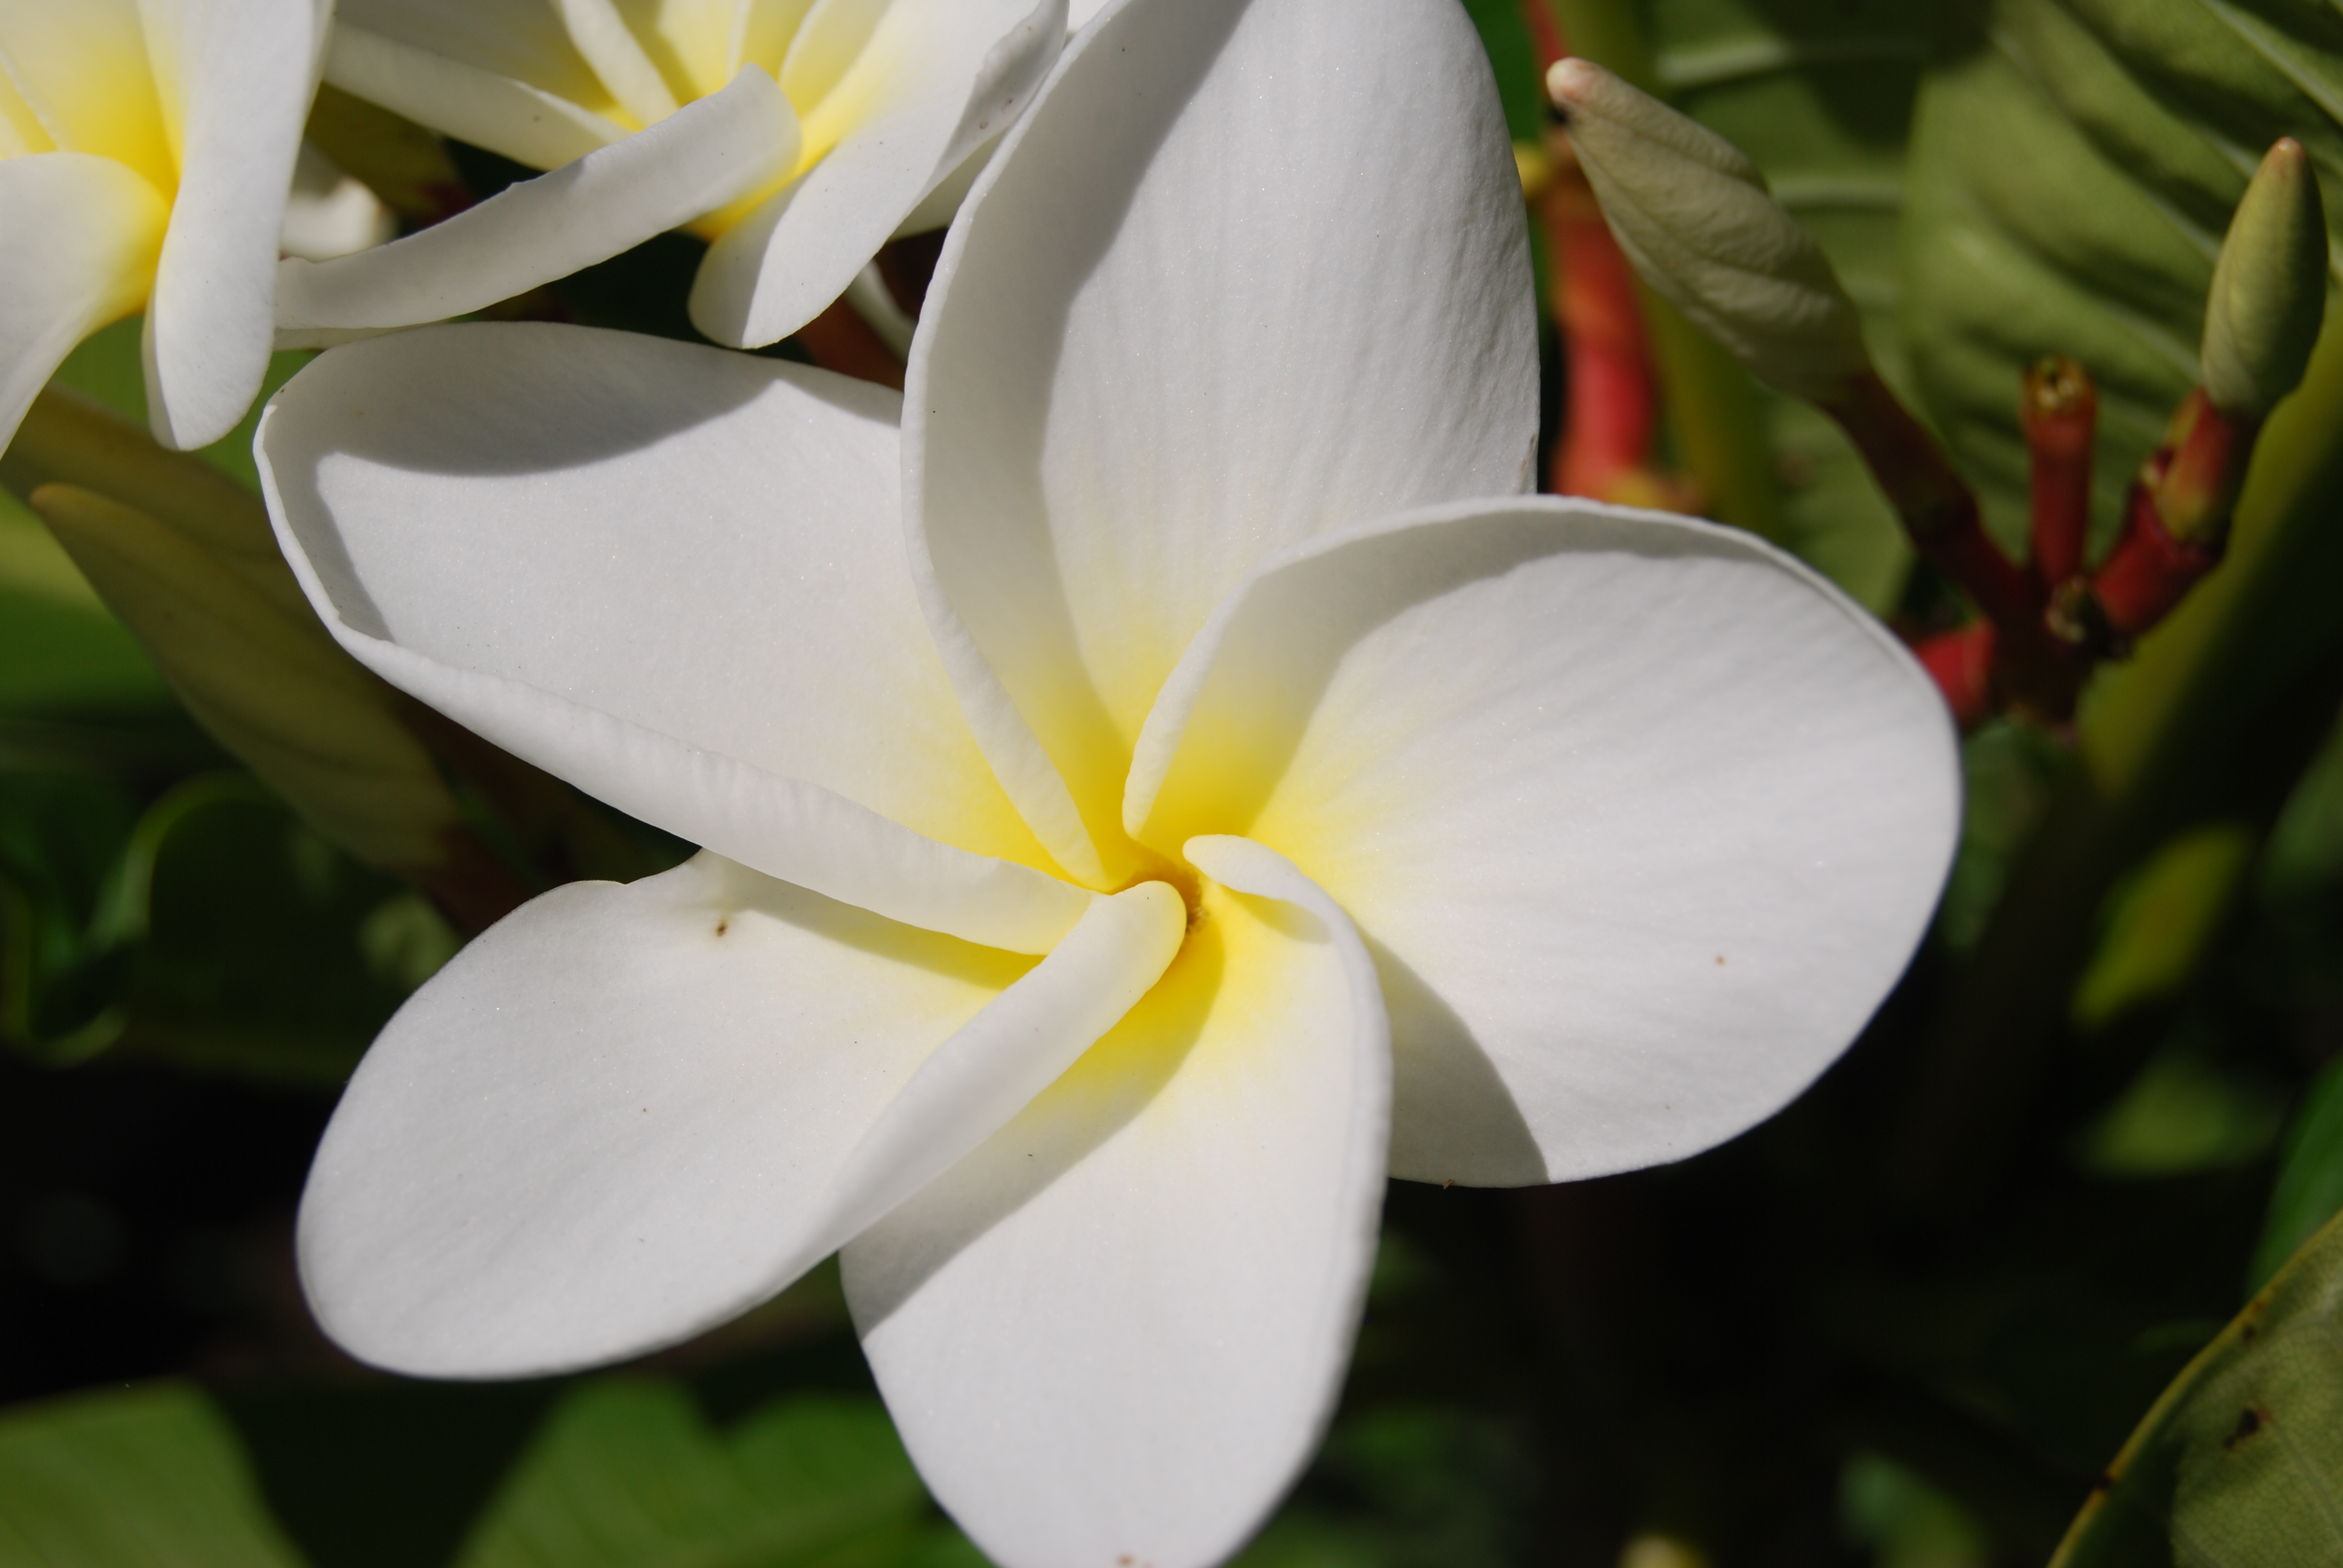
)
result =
(1117, 1329)
(473, 103)
(1111, 420)
(771, 1072)
(602, 1126)
(81, 68)
(79, 236)
(1639, 817)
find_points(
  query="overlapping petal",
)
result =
(499, 74)
(1116, 1330)
(896, 94)
(1641, 818)
(1250, 273)
(711, 152)
(627, 1113)
(82, 73)
(78, 238)
(673, 576)
(235, 77)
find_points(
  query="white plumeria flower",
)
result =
(147, 149)
(796, 137)
(1147, 800)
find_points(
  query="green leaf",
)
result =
(2161, 921)
(2241, 1461)
(2309, 1189)
(2073, 172)
(60, 650)
(629, 1474)
(148, 1477)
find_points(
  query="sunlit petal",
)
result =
(612, 200)
(1117, 1329)
(81, 72)
(1641, 818)
(78, 237)
(672, 575)
(239, 75)
(895, 96)
(1249, 272)
(467, 101)
(610, 1121)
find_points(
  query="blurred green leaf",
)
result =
(108, 365)
(2183, 1111)
(1903, 1520)
(2241, 1460)
(2305, 844)
(60, 650)
(1505, 34)
(148, 1477)
(63, 837)
(2309, 1189)
(2162, 919)
(629, 1474)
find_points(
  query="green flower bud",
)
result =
(1694, 215)
(2269, 289)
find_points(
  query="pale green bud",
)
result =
(271, 687)
(2269, 289)
(1694, 216)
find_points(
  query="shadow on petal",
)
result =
(1099, 1096)
(1441, 1077)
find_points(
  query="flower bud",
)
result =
(1692, 212)
(2269, 289)
(273, 689)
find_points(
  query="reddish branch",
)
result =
(1611, 412)
(2045, 627)
(2060, 412)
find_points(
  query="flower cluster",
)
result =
(1156, 779)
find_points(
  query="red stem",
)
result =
(2148, 571)
(1613, 410)
(1938, 509)
(2059, 412)
(1961, 663)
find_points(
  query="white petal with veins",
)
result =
(1104, 436)
(624, 1115)
(1642, 818)
(710, 153)
(1118, 1329)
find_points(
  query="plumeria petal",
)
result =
(1115, 1331)
(81, 72)
(895, 94)
(78, 237)
(238, 76)
(1641, 817)
(600, 32)
(671, 574)
(711, 152)
(521, 40)
(453, 93)
(627, 1113)
(1249, 272)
